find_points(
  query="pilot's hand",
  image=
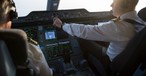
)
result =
(57, 22)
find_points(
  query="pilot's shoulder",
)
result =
(32, 41)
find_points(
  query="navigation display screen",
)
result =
(50, 35)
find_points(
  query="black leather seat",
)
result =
(126, 63)
(6, 63)
(16, 41)
(14, 58)
(142, 14)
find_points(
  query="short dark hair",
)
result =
(5, 7)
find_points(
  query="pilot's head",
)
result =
(120, 7)
(7, 13)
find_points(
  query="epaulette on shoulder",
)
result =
(115, 19)
(32, 41)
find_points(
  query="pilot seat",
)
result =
(13, 54)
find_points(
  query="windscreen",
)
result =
(93, 5)
(24, 7)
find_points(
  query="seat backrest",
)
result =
(16, 41)
(142, 14)
(126, 63)
(16, 45)
(7, 67)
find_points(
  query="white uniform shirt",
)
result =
(37, 57)
(117, 32)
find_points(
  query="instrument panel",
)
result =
(36, 18)
(61, 50)
(54, 41)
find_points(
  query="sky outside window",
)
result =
(24, 7)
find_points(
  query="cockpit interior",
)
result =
(62, 51)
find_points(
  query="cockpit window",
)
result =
(24, 7)
(90, 5)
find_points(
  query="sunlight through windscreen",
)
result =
(93, 5)
(90, 5)
(24, 7)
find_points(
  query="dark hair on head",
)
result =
(4, 10)
(6, 6)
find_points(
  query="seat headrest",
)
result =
(16, 40)
(142, 14)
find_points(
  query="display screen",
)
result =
(50, 35)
